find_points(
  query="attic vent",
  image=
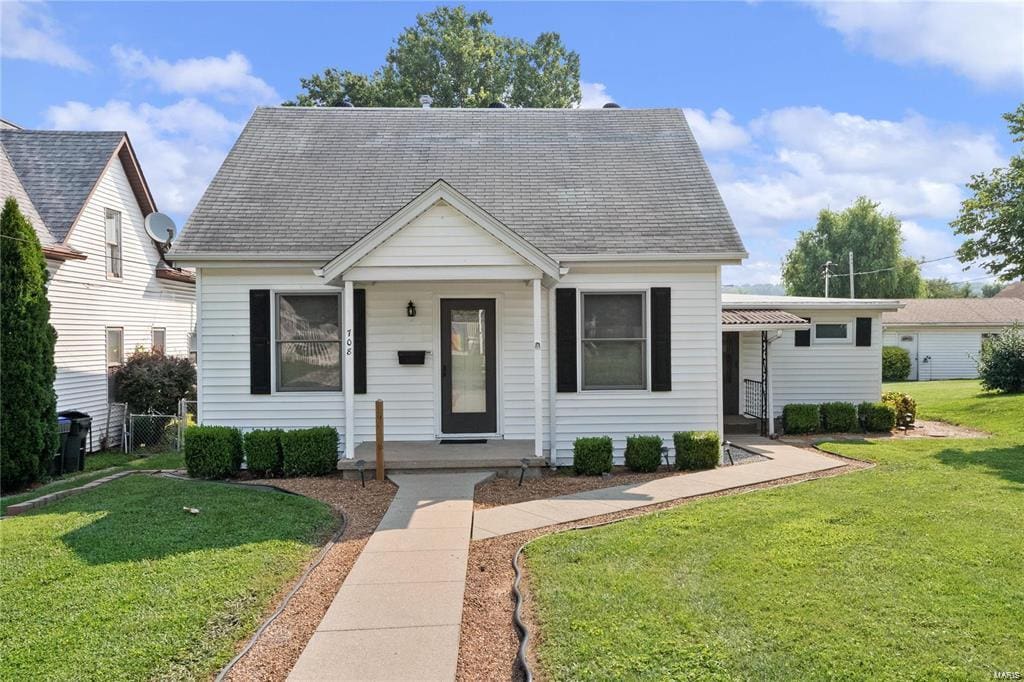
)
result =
(611, 105)
(426, 101)
(347, 102)
(497, 105)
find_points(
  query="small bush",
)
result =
(877, 417)
(1001, 363)
(309, 452)
(212, 451)
(801, 418)
(903, 405)
(643, 453)
(154, 382)
(263, 451)
(592, 456)
(696, 450)
(838, 417)
(895, 363)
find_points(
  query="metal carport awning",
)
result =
(762, 319)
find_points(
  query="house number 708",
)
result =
(348, 342)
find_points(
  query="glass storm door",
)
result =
(468, 376)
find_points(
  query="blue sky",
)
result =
(797, 106)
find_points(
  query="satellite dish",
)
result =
(160, 227)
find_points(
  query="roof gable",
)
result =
(314, 181)
(962, 312)
(60, 169)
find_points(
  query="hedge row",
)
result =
(593, 455)
(842, 417)
(218, 451)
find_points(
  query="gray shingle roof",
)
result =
(58, 169)
(313, 181)
(958, 311)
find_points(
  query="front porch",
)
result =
(504, 457)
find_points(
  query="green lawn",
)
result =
(98, 465)
(121, 584)
(909, 570)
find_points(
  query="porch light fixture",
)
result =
(410, 309)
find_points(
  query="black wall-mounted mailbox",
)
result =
(412, 357)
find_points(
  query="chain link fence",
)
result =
(148, 433)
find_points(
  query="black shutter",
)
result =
(863, 331)
(661, 339)
(565, 339)
(359, 340)
(259, 341)
(802, 337)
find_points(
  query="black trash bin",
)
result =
(57, 461)
(75, 445)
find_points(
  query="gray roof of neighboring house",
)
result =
(608, 181)
(1015, 290)
(58, 169)
(10, 186)
(961, 312)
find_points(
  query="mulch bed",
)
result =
(279, 647)
(487, 650)
(501, 491)
(922, 428)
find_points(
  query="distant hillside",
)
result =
(763, 289)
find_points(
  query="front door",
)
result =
(469, 392)
(908, 342)
(730, 372)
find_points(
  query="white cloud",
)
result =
(717, 133)
(227, 78)
(27, 31)
(595, 95)
(180, 146)
(980, 40)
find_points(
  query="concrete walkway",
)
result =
(398, 614)
(784, 461)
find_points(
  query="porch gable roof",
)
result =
(440, 191)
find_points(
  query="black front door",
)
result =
(731, 372)
(469, 397)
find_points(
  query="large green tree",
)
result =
(453, 56)
(992, 218)
(28, 406)
(943, 288)
(877, 246)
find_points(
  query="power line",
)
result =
(874, 272)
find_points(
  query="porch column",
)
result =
(538, 376)
(348, 371)
(770, 409)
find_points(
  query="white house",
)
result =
(944, 335)
(521, 277)
(110, 289)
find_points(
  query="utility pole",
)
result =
(828, 273)
(851, 274)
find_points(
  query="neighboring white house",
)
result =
(944, 335)
(523, 276)
(110, 289)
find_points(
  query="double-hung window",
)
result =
(112, 220)
(613, 336)
(308, 342)
(832, 332)
(115, 357)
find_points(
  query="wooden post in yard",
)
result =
(380, 440)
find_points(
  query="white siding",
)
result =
(411, 393)
(83, 302)
(944, 352)
(692, 404)
(821, 372)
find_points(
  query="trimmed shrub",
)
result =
(903, 405)
(801, 418)
(697, 450)
(263, 451)
(643, 453)
(877, 417)
(309, 452)
(1001, 363)
(154, 382)
(28, 405)
(592, 456)
(895, 363)
(212, 451)
(838, 417)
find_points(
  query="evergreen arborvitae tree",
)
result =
(28, 405)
